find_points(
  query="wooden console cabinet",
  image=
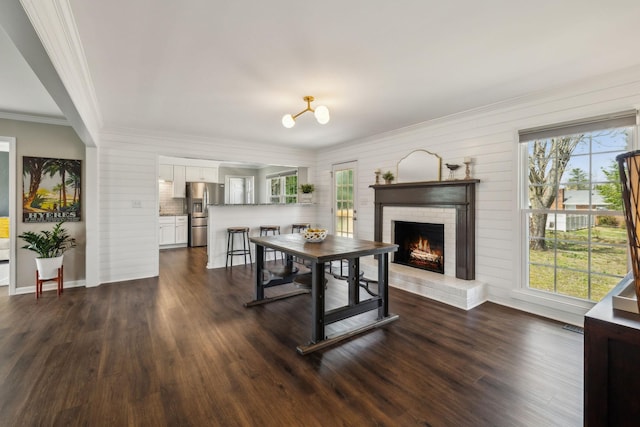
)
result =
(611, 364)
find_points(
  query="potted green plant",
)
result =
(50, 245)
(307, 191)
(388, 177)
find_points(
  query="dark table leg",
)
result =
(259, 294)
(317, 301)
(355, 307)
(383, 288)
(354, 281)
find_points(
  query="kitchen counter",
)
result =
(223, 216)
(262, 204)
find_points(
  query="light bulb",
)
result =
(322, 114)
(288, 121)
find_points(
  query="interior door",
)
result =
(345, 188)
(240, 189)
(236, 191)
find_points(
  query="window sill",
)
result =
(556, 302)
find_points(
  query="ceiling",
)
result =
(22, 92)
(232, 69)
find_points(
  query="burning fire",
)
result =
(421, 252)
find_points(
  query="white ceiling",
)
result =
(231, 69)
(20, 90)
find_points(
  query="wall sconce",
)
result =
(321, 112)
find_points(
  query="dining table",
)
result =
(317, 257)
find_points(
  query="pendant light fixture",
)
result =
(321, 112)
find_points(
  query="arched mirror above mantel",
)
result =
(418, 166)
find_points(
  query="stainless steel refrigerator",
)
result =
(199, 195)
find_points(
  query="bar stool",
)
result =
(298, 227)
(243, 232)
(270, 230)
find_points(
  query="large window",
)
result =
(283, 188)
(576, 236)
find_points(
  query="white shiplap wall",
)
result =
(128, 186)
(489, 136)
(128, 234)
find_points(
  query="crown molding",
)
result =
(34, 118)
(55, 26)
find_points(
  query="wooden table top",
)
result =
(332, 248)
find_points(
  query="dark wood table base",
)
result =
(329, 341)
(317, 254)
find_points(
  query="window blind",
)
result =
(282, 173)
(607, 121)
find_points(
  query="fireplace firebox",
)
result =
(420, 245)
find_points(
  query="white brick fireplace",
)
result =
(445, 216)
(449, 203)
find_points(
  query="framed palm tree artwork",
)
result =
(51, 189)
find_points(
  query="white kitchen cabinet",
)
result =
(167, 230)
(201, 174)
(165, 173)
(173, 231)
(179, 181)
(181, 229)
(210, 174)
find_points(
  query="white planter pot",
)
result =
(306, 197)
(48, 267)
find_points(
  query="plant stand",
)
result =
(49, 270)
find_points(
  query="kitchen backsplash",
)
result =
(168, 204)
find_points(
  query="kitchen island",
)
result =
(220, 217)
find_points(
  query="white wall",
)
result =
(489, 136)
(128, 168)
(128, 186)
(54, 141)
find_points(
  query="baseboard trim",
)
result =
(49, 287)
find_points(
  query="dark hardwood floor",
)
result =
(181, 350)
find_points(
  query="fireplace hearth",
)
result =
(420, 245)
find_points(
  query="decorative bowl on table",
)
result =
(314, 235)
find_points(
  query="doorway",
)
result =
(7, 213)
(240, 190)
(345, 188)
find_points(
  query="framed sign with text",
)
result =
(51, 189)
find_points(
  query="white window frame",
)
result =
(553, 301)
(282, 197)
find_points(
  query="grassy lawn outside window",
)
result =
(574, 226)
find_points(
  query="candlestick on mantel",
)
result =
(467, 162)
